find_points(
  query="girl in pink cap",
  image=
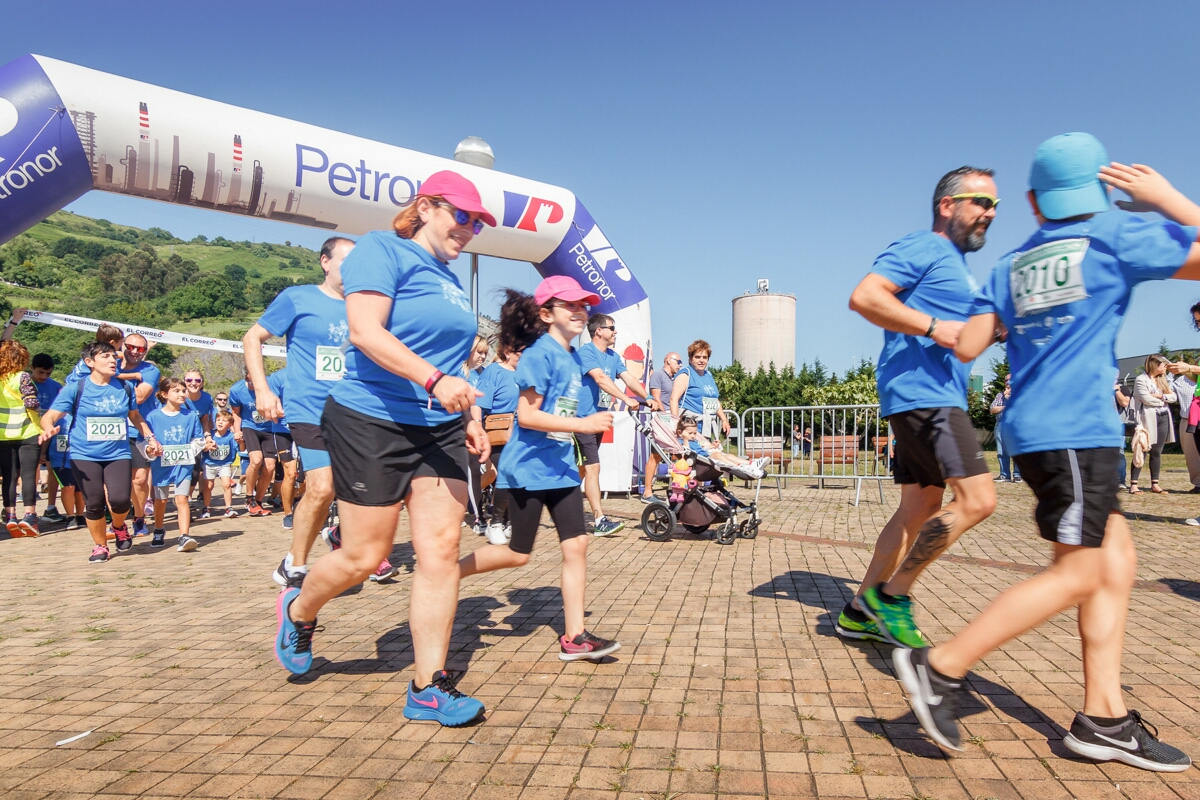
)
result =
(538, 467)
(394, 427)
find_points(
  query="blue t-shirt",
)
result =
(914, 372)
(58, 454)
(317, 338)
(99, 431)
(181, 436)
(607, 362)
(536, 459)
(474, 376)
(225, 452)
(695, 446)
(699, 387)
(500, 392)
(202, 408)
(430, 315)
(245, 404)
(80, 370)
(1063, 295)
(280, 383)
(47, 390)
(151, 375)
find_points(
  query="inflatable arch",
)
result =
(65, 130)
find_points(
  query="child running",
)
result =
(538, 466)
(98, 443)
(179, 431)
(218, 464)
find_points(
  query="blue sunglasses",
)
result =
(463, 217)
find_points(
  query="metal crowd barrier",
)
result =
(844, 443)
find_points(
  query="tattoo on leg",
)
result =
(931, 542)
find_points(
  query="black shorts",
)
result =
(137, 460)
(1076, 491)
(934, 444)
(525, 515)
(282, 447)
(259, 442)
(374, 460)
(65, 477)
(308, 436)
(589, 447)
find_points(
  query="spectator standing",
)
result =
(1008, 471)
(1185, 389)
(1152, 396)
(19, 429)
(661, 384)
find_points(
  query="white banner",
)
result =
(152, 335)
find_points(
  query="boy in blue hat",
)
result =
(1061, 297)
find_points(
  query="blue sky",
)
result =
(715, 144)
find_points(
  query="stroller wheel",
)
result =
(695, 528)
(727, 533)
(749, 529)
(658, 522)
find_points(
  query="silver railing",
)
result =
(828, 443)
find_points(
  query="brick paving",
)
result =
(731, 682)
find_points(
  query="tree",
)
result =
(210, 296)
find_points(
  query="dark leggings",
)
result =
(1155, 454)
(93, 477)
(499, 496)
(19, 457)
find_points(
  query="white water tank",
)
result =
(764, 329)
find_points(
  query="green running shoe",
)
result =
(894, 618)
(853, 624)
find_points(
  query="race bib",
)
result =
(1048, 275)
(709, 404)
(61, 445)
(175, 454)
(220, 454)
(331, 363)
(605, 400)
(106, 429)
(259, 419)
(564, 407)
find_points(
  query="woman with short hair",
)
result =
(694, 393)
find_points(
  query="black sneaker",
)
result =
(159, 539)
(124, 540)
(1130, 742)
(585, 645)
(933, 699)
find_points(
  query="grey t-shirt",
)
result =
(660, 380)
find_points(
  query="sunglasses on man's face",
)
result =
(221, 399)
(981, 199)
(133, 348)
(463, 217)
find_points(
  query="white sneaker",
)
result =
(508, 533)
(1194, 522)
(495, 533)
(187, 544)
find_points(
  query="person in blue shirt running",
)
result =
(201, 404)
(498, 401)
(98, 441)
(40, 367)
(398, 432)
(1061, 297)
(601, 367)
(58, 459)
(538, 467)
(256, 432)
(218, 464)
(143, 376)
(178, 430)
(920, 292)
(312, 320)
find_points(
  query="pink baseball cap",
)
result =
(458, 191)
(563, 288)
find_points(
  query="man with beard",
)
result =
(920, 292)
(143, 376)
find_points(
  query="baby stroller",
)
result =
(699, 498)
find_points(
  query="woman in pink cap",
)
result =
(394, 427)
(538, 466)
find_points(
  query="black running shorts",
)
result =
(525, 515)
(933, 444)
(259, 442)
(374, 460)
(589, 447)
(1076, 491)
(308, 435)
(282, 447)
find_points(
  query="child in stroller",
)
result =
(687, 430)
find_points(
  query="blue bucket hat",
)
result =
(1064, 176)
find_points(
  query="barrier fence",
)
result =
(838, 443)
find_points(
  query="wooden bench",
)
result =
(771, 447)
(840, 451)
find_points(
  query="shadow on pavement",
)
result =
(1182, 587)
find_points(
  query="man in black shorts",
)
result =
(920, 292)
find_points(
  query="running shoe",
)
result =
(442, 702)
(99, 554)
(933, 698)
(29, 525)
(13, 526)
(275, 502)
(139, 527)
(479, 528)
(854, 624)
(1193, 521)
(332, 537)
(894, 618)
(293, 643)
(159, 539)
(607, 527)
(280, 575)
(205, 513)
(187, 544)
(507, 532)
(51, 515)
(585, 645)
(385, 572)
(495, 533)
(647, 499)
(256, 510)
(75, 523)
(1129, 742)
(287, 522)
(124, 540)
(231, 512)
(147, 511)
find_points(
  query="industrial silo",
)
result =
(764, 329)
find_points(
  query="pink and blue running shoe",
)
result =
(293, 643)
(441, 702)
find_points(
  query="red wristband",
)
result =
(433, 379)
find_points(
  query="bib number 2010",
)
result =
(1048, 275)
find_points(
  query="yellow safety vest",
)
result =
(16, 421)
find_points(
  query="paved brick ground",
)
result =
(731, 681)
